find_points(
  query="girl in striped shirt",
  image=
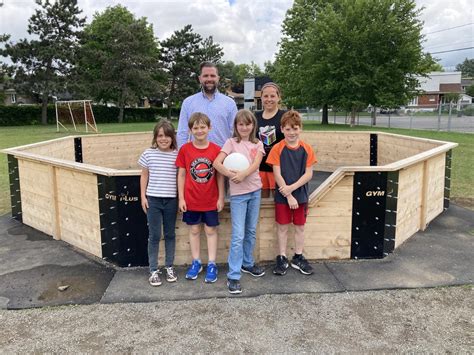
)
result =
(159, 197)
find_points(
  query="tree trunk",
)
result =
(325, 118)
(373, 120)
(353, 115)
(170, 96)
(120, 117)
(121, 104)
(44, 108)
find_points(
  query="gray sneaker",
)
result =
(234, 286)
(254, 270)
(171, 274)
(154, 279)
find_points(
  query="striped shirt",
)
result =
(221, 110)
(162, 172)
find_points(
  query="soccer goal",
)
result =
(76, 114)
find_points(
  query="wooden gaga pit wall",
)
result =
(370, 192)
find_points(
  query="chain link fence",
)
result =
(447, 117)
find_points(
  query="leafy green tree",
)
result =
(269, 69)
(470, 90)
(211, 52)
(233, 75)
(467, 68)
(227, 75)
(181, 55)
(356, 53)
(42, 64)
(452, 97)
(119, 58)
(435, 66)
(288, 65)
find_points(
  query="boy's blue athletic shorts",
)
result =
(209, 218)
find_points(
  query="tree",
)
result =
(181, 54)
(269, 69)
(211, 52)
(467, 68)
(233, 75)
(42, 64)
(470, 90)
(227, 76)
(356, 53)
(119, 58)
(433, 63)
(288, 67)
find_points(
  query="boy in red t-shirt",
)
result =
(201, 193)
(292, 161)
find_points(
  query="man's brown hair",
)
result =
(208, 65)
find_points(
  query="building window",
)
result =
(13, 98)
(414, 102)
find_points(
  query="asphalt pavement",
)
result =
(37, 271)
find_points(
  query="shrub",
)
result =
(31, 114)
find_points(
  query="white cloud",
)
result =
(249, 30)
(441, 15)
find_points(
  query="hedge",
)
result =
(31, 114)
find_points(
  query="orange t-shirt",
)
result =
(293, 163)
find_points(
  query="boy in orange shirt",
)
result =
(292, 161)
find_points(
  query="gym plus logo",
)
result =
(201, 170)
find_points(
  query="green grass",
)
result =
(462, 164)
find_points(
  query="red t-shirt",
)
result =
(200, 186)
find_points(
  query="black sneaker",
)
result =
(281, 265)
(234, 286)
(254, 270)
(301, 264)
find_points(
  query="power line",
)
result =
(453, 50)
(446, 44)
(450, 28)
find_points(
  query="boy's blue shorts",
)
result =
(209, 218)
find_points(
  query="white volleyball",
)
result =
(236, 161)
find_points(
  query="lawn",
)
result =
(463, 156)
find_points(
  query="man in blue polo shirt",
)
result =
(219, 108)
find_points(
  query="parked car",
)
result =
(387, 110)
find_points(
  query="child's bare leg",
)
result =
(282, 233)
(299, 239)
(211, 234)
(194, 240)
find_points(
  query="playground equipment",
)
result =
(75, 115)
(371, 191)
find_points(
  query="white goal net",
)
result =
(76, 115)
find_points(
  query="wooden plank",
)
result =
(424, 197)
(78, 239)
(409, 202)
(55, 205)
(435, 194)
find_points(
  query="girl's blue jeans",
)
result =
(244, 210)
(161, 212)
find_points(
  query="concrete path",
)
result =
(33, 267)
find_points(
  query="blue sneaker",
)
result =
(211, 273)
(194, 270)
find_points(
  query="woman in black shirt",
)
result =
(269, 131)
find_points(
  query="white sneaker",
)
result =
(154, 279)
(170, 274)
